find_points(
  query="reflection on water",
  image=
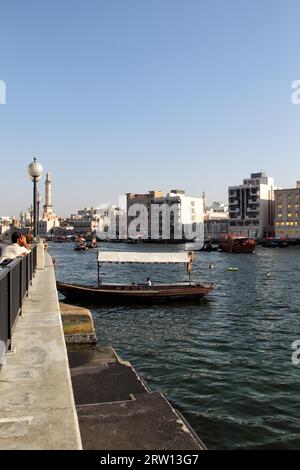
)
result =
(225, 362)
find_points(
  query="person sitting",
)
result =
(19, 247)
(149, 283)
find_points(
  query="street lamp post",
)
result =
(35, 171)
(39, 200)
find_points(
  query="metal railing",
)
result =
(15, 280)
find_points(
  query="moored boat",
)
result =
(272, 242)
(233, 244)
(112, 293)
(136, 293)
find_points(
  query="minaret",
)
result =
(204, 201)
(48, 208)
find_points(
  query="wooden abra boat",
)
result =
(136, 293)
(232, 244)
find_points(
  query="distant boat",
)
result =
(233, 244)
(81, 247)
(272, 242)
(135, 293)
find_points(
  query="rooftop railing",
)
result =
(15, 279)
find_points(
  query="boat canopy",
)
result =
(142, 257)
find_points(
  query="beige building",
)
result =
(165, 215)
(287, 212)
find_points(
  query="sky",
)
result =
(131, 95)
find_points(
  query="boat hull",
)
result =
(235, 245)
(134, 293)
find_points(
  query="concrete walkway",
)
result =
(37, 409)
(117, 410)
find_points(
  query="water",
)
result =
(225, 362)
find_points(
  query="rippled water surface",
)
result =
(224, 362)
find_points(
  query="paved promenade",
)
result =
(37, 408)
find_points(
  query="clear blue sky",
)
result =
(132, 95)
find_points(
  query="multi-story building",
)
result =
(5, 226)
(216, 221)
(85, 221)
(287, 212)
(251, 206)
(172, 216)
(108, 221)
(26, 218)
(82, 226)
(46, 226)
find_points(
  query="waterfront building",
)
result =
(5, 226)
(252, 206)
(287, 212)
(109, 221)
(26, 218)
(85, 221)
(180, 211)
(216, 221)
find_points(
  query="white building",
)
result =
(26, 218)
(46, 226)
(5, 225)
(216, 221)
(108, 220)
(251, 206)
